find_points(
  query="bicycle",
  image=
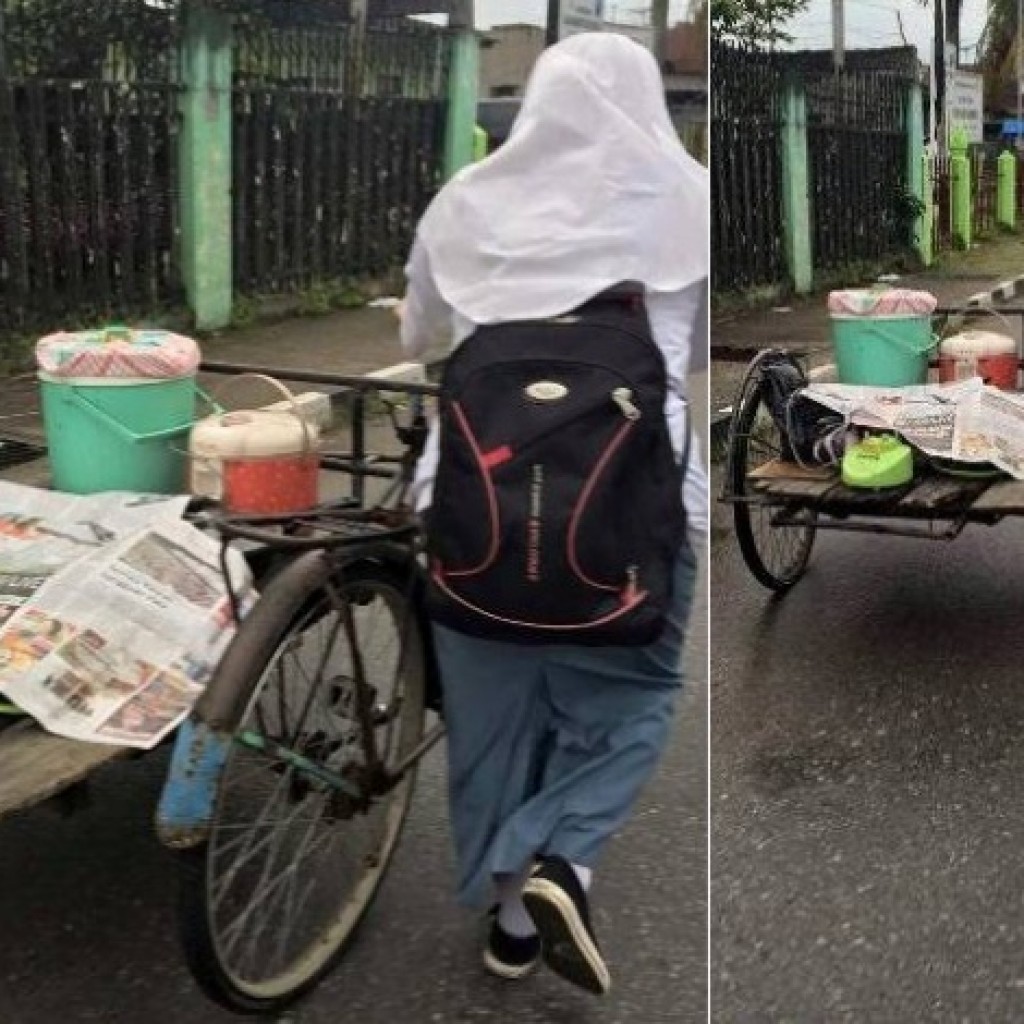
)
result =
(291, 781)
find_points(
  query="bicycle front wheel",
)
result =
(332, 668)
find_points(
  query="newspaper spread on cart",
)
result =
(968, 421)
(113, 612)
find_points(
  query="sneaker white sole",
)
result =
(510, 972)
(568, 948)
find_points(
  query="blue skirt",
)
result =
(549, 746)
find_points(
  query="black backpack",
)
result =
(557, 512)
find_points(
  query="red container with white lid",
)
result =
(985, 354)
(257, 461)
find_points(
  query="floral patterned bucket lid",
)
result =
(117, 352)
(881, 302)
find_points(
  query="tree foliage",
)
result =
(758, 23)
(998, 49)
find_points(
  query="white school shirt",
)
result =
(678, 325)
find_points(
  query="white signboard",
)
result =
(581, 16)
(965, 104)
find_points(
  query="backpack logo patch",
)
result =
(547, 391)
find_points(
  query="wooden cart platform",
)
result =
(35, 765)
(932, 494)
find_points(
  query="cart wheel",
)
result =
(776, 555)
(292, 863)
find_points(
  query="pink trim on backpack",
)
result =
(629, 602)
(492, 499)
(577, 513)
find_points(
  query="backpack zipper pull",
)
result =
(623, 398)
(632, 582)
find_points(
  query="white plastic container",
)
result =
(256, 461)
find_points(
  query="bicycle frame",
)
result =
(187, 806)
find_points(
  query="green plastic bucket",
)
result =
(886, 351)
(118, 434)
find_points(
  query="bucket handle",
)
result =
(918, 349)
(981, 311)
(285, 392)
(114, 424)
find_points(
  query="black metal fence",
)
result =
(746, 170)
(857, 146)
(942, 203)
(860, 206)
(88, 129)
(338, 148)
(984, 191)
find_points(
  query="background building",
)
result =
(508, 56)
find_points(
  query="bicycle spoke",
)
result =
(324, 656)
(262, 888)
(286, 928)
(270, 893)
(252, 850)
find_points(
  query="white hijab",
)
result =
(593, 187)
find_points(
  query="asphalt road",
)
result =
(87, 905)
(88, 933)
(867, 758)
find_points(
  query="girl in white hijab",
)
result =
(549, 746)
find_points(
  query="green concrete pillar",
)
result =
(920, 230)
(960, 176)
(205, 166)
(925, 241)
(463, 87)
(1006, 201)
(796, 201)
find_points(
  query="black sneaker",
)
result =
(557, 903)
(510, 956)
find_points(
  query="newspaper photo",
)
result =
(113, 612)
(991, 429)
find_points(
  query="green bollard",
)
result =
(1006, 202)
(960, 174)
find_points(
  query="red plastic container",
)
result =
(993, 357)
(271, 486)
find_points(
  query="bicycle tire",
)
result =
(777, 556)
(285, 610)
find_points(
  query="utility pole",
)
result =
(1020, 75)
(838, 35)
(462, 14)
(554, 19)
(939, 75)
(659, 23)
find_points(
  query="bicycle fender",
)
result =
(186, 808)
